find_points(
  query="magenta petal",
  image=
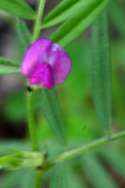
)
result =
(42, 75)
(45, 64)
(61, 64)
(36, 53)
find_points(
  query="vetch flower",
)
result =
(45, 64)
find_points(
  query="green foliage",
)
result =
(52, 112)
(14, 102)
(115, 159)
(76, 98)
(73, 27)
(118, 17)
(28, 179)
(101, 72)
(17, 8)
(21, 160)
(12, 145)
(8, 67)
(65, 10)
(23, 33)
(11, 180)
(97, 173)
(63, 176)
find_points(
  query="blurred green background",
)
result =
(103, 168)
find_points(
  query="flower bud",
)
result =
(45, 64)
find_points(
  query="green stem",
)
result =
(37, 159)
(37, 26)
(87, 147)
(31, 122)
(30, 113)
(38, 179)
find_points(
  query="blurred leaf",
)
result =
(11, 180)
(65, 10)
(101, 71)
(97, 174)
(62, 176)
(24, 37)
(7, 66)
(18, 8)
(59, 177)
(52, 112)
(79, 22)
(14, 108)
(12, 145)
(28, 179)
(23, 33)
(116, 159)
(119, 17)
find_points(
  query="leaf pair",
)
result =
(78, 15)
(65, 10)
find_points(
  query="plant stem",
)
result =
(87, 147)
(38, 180)
(37, 26)
(31, 121)
(36, 159)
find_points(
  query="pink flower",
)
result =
(45, 64)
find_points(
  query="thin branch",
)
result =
(25, 159)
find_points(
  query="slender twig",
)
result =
(25, 159)
(87, 147)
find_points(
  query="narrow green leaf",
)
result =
(78, 23)
(58, 177)
(65, 10)
(96, 173)
(23, 33)
(24, 37)
(6, 146)
(28, 179)
(18, 8)
(8, 67)
(53, 114)
(58, 11)
(11, 180)
(101, 71)
(63, 176)
(116, 159)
